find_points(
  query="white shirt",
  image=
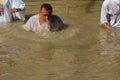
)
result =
(7, 15)
(110, 13)
(33, 23)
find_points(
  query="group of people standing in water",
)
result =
(15, 10)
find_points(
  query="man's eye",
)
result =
(45, 15)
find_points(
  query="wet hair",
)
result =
(47, 6)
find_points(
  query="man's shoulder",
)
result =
(55, 17)
(35, 16)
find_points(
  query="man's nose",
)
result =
(46, 17)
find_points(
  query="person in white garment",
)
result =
(110, 14)
(45, 19)
(12, 10)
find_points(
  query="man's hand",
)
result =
(15, 10)
(107, 26)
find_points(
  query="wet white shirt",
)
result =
(6, 15)
(34, 25)
(110, 13)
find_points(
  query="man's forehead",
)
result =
(43, 10)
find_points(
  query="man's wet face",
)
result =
(45, 14)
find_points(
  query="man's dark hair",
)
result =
(47, 6)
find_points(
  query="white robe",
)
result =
(110, 13)
(7, 15)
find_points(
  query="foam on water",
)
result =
(44, 35)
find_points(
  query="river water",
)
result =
(82, 51)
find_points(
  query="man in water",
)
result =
(110, 14)
(12, 10)
(45, 19)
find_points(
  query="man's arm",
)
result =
(28, 24)
(15, 10)
(17, 5)
(107, 26)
